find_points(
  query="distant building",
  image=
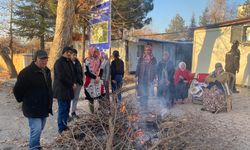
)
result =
(133, 48)
(130, 51)
(212, 42)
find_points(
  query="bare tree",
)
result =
(220, 10)
(8, 7)
(217, 10)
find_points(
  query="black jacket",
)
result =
(34, 89)
(78, 72)
(117, 68)
(64, 78)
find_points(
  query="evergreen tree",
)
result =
(204, 20)
(35, 19)
(177, 24)
(191, 27)
(127, 14)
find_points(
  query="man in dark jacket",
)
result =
(165, 74)
(34, 89)
(233, 62)
(64, 86)
(79, 82)
(117, 73)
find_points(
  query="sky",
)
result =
(165, 10)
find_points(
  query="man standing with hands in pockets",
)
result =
(64, 86)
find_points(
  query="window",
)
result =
(246, 34)
(140, 50)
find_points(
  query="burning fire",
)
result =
(123, 107)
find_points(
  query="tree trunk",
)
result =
(63, 31)
(42, 42)
(9, 64)
(11, 32)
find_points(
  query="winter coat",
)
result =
(167, 66)
(146, 72)
(64, 79)
(34, 89)
(78, 72)
(232, 61)
(222, 78)
(185, 74)
(106, 70)
(117, 68)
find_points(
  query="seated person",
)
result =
(214, 95)
(182, 78)
(217, 77)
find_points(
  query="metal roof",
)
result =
(226, 23)
(138, 39)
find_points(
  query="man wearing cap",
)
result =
(64, 86)
(34, 89)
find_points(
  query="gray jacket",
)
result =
(106, 70)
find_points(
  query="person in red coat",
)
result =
(182, 78)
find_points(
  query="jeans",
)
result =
(63, 114)
(36, 126)
(76, 97)
(117, 86)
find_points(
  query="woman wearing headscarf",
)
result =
(182, 78)
(93, 86)
(146, 73)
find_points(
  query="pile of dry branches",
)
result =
(107, 128)
(116, 127)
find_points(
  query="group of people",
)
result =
(172, 84)
(35, 90)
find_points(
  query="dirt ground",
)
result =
(234, 127)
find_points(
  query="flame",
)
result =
(123, 107)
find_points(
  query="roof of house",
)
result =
(226, 23)
(138, 39)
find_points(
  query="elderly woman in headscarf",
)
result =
(146, 73)
(182, 78)
(214, 95)
(93, 86)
